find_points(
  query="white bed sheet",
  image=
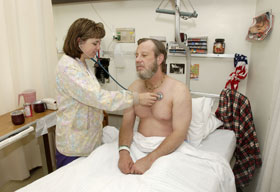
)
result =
(187, 169)
(220, 141)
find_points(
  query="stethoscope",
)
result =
(97, 61)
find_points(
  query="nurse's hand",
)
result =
(147, 99)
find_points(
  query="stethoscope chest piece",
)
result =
(160, 96)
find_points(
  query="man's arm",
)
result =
(125, 139)
(181, 118)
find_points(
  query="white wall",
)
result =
(216, 19)
(261, 77)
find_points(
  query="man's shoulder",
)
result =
(179, 90)
(176, 84)
(136, 85)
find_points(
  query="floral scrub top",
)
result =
(81, 102)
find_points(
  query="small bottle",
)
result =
(27, 110)
(219, 46)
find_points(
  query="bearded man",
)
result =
(169, 118)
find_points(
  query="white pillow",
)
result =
(211, 122)
(203, 121)
(207, 108)
(195, 132)
(211, 125)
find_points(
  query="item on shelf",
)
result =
(183, 37)
(51, 103)
(198, 45)
(219, 46)
(175, 48)
(39, 106)
(27, 110)
(17, 117)
(29, 96)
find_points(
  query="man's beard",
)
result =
(149, 73)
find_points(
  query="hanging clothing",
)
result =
(235, 111)
(240, 73)
(81, 102)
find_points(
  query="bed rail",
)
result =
(205, 94)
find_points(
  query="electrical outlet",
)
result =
(125, 35)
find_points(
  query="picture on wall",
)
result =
(261, 27)
(177, 68)
(195, 71)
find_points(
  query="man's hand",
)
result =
(125, 162)
(147, 99)
(141, 165)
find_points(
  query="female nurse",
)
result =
(81, 100)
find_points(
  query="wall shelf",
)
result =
(210, 55)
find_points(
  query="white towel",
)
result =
(146, 144)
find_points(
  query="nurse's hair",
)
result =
(159, 48)
(81, 30)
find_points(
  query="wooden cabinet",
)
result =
(105, 119)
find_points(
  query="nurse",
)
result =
(80, 99)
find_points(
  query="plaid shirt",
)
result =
(235, 111)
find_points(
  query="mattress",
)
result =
(220, 141)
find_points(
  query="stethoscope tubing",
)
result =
(98, 62)
(160, 94)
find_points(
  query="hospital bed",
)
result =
(93, 173)
(205, 167)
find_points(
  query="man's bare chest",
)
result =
(161, 110)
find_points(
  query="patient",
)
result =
(168, 118)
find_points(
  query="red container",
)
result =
(219, 46)
(39, 106)
(17, 117)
